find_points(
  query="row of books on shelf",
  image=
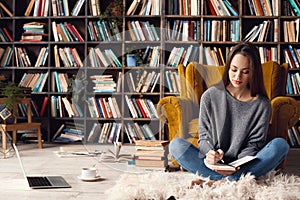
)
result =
(38, 8)
(146, 83)
(135, 132)
(150, 56)
(104, 58)
(291, 30)
(294, 136)
(183, 30)
(151, 153)
(152, 7)
(221, 8)
(263, 8)
(105, 133)
(292, 56)
(23, 112)
(69, 132)
(35, 81)
(5, 35)
(217, 31)
(142, 31)
(180, 30)
(172, 79)
(182, 55)
(60, 8)
(263, 32)
(293, 83)
(214, 56)
(141, 107)
(109, 132)
(64, 107)
(59, 82)
(67, 57)
(103, 107)
(290, 8)
(23, 60)
(42, 57)
(66, 32)
(268, 54)
(5, 56)
(103, 30)
(183, 7)
(144, 7)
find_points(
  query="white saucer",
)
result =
(89, 179)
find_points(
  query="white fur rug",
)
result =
(161, 185)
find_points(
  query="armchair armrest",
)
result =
(285, 114)
(177, 112)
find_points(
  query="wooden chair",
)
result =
(20, 126)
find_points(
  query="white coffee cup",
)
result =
(89, 172)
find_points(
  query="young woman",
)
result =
(233, 122)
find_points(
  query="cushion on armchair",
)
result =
(275, 78)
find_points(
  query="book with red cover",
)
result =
(211, 8)
(76, 32)
(8, 34)
(44, 105)
(141, 108)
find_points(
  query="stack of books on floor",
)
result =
(151, 153)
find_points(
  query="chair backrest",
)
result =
(25, 101)
(196, 78)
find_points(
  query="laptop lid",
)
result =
(41, 182)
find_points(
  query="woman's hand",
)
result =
(212, 157)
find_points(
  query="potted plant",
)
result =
(114, 11)
(10, 92)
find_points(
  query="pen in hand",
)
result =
(212, 148)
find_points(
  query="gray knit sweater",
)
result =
(238, 128)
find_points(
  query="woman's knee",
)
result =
(279, 145)
(282, 144)
(178, 146)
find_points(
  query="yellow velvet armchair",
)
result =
(181, 113)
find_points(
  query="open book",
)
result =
(231, 166)
(116, 156)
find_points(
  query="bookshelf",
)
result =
(160, 37)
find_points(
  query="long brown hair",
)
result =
(256, 83)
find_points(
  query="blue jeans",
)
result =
(268, 158)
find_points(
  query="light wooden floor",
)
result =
(46, 162)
